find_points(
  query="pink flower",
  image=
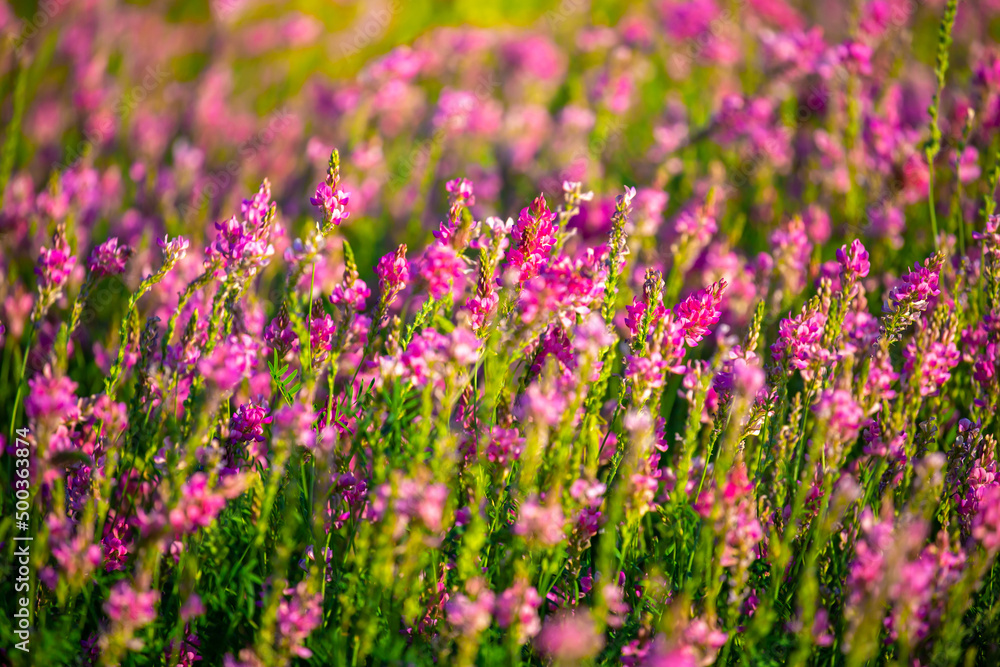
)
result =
(968, 164)
(332, 204)
(937, 361)
(482, 308)
(51, 396)
(54, 264)
(564, 289)
(198, 506)
(116, 544)
(321, 333)
(792, 249)
(986, 524)
(247, 423)
(913, 292)
(505, 445)
(696, 224)
(230, 362)
(420, 502)
(108, 259)
(462, 189)
(800, 338)
(570, 638)
(442, 269)
(470, 617)
(844, 415)
(351, 295)
(279, 335)
(174, 250)
(295, 423)
(518, 606)
(535, 236)
(853, 261)
(393, 274)
(243, 245)
(192, 608)
(131, 609)
(464, 347)
(544, 523)
(298, 614)
(647, 373)
(699, 312)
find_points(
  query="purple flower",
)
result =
(854, 262)
(915, 289)
(462, 189)
(174, 250)
(570, 638)
(393, 274)
(842, 413)
(937, 360)
(280, 336)
(131, 609)
(544, 523)
(801, 338)
(247, 423)
(298, 614)
(535, 236)
(54, 264)
(187, 653)
(699, 312)
(351, 295)
(243, 245)
(470, 617)
(332, 203)
(116, 544)
(51, 396)
(442, 269)
(230, 362)
(505, 445)
(321, 333)
(518, 606)
(108, 259)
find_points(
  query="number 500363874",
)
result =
(22, 481)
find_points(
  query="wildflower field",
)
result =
(525, 333)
